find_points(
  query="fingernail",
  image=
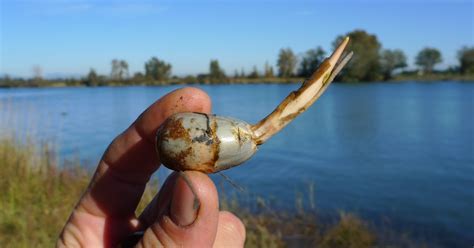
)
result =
(185, 203)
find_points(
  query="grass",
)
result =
(38, 195)
(267, 227)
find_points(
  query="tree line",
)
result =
(370, 63)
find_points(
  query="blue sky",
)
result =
(68, 37)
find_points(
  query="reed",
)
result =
(38, 195)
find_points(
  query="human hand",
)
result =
(177, 216)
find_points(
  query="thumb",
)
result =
(185, 213)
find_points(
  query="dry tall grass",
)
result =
(37, 197)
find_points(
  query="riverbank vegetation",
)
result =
(371, 63)
(38, 195)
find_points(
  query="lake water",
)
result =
(397, 153)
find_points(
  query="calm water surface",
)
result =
(394, 153)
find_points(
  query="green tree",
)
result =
(236, 74)
(286, 62)
(158, 70)
(6, 78)
(5, 81)
(189, 79)
(138, 77)
(242, 72)
(268, 70)
(310, 61)
(119, 69)
(365, 64)
(428, 58)
(391, 60)
(37, 73)
(466, 60)
(124, 69)
(254, 73)
(92, 79)
(216, 74)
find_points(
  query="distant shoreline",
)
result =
(60, 83)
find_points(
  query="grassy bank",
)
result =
(58, 83)
(38, 195)
(434, 77)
